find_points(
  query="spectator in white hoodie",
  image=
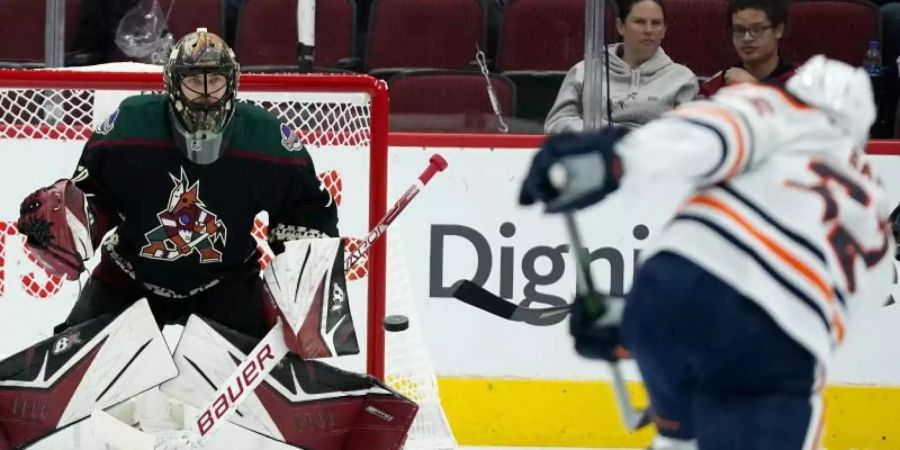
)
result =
(645, 81)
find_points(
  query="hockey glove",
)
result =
(594, 324)
(590, 165)
(56, 222)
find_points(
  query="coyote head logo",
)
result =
(185, 226)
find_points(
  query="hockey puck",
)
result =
(396, 323)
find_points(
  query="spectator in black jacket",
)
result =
(756, 28)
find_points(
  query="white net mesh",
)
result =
(336, 128)
(46, 114)
(406, 353)
(71, 113)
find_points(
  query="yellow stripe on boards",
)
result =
(509, 412)
(562, 413)
(862, 417)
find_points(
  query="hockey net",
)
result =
(341, 119)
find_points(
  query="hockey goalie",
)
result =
(166, 190)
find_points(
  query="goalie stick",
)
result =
(251, 372)
(436, 164)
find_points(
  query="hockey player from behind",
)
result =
(180, 178)
(781, 239)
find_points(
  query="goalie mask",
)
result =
(201, 80)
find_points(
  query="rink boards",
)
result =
(502, 383)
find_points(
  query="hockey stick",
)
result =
(436, 164)
(587, 293)
(250, 373)
(479, 297)
(633, 418)
(474, 295)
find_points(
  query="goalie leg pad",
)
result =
(302, 403)
(95, 365)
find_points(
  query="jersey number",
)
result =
(845, 246)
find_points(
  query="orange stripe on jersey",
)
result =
(729, 118)
(784, 255)
(838, 327)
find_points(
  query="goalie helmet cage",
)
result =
(336, 116)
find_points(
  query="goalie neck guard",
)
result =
(201, 79)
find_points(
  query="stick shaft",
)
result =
(585, 282)
(261, 360)
(632, 417)
(435, 165)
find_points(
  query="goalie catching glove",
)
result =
(56, 221)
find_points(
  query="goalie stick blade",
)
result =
(477, 296)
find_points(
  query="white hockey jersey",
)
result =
(781, 205)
